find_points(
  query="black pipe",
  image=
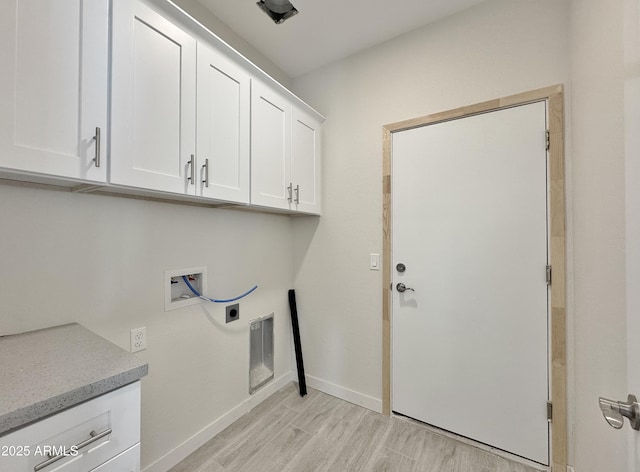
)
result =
(302, 384)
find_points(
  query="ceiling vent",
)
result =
(278, 10)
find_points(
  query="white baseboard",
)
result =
(344, 393)
(208, 432)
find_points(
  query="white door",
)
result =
(470, 226)
(305, 162)
(153, 101)
(53, 87)
(271, 184)
(224, 106)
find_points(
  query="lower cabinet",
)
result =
(128, 461)
(101, 434)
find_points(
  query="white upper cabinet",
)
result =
(53, 87)
(305, 161)
(153, 102)
(285, 153)
(223, 121)
(271, 184)
(135, 96)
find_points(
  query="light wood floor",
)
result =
(320, 433)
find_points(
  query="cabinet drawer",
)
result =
(86, 435)
(128, 461)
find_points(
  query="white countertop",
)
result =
(46, 371)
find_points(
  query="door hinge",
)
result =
(548, 139)
(548, 275)
(549, 411)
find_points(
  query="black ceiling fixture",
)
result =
(278, 10)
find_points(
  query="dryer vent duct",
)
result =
(278, 10)
(260, 352)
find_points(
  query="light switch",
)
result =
(374, 261)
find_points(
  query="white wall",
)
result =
(492, 50)
(204, 16)
(100, 261)
(597, 52)
(632, 204)
(495, 49)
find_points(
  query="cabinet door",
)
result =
(222, 127)
(270, 148)
(77, 439)
(153, 101)
(53, 86)
(305, 162)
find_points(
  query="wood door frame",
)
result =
(554, 96)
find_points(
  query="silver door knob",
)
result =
(614, 412)
(403, 288)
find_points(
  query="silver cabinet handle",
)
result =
(289, 192)
(96, 138)
(192, 166)
(94, 437)
(614, 412)
(403, 288)
(297, 190)
(206, 173)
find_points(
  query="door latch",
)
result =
(403, 288)
(614, 412)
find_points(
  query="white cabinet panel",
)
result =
(285, 153)
(108, 425)
(270, 148)
(223, 123)
(53, 87)
(153, 101)
(128, 461)
(305, 162)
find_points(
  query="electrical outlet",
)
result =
(233, 312)
(570, 469)
(138, 339)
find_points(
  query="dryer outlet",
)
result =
(233, 312)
